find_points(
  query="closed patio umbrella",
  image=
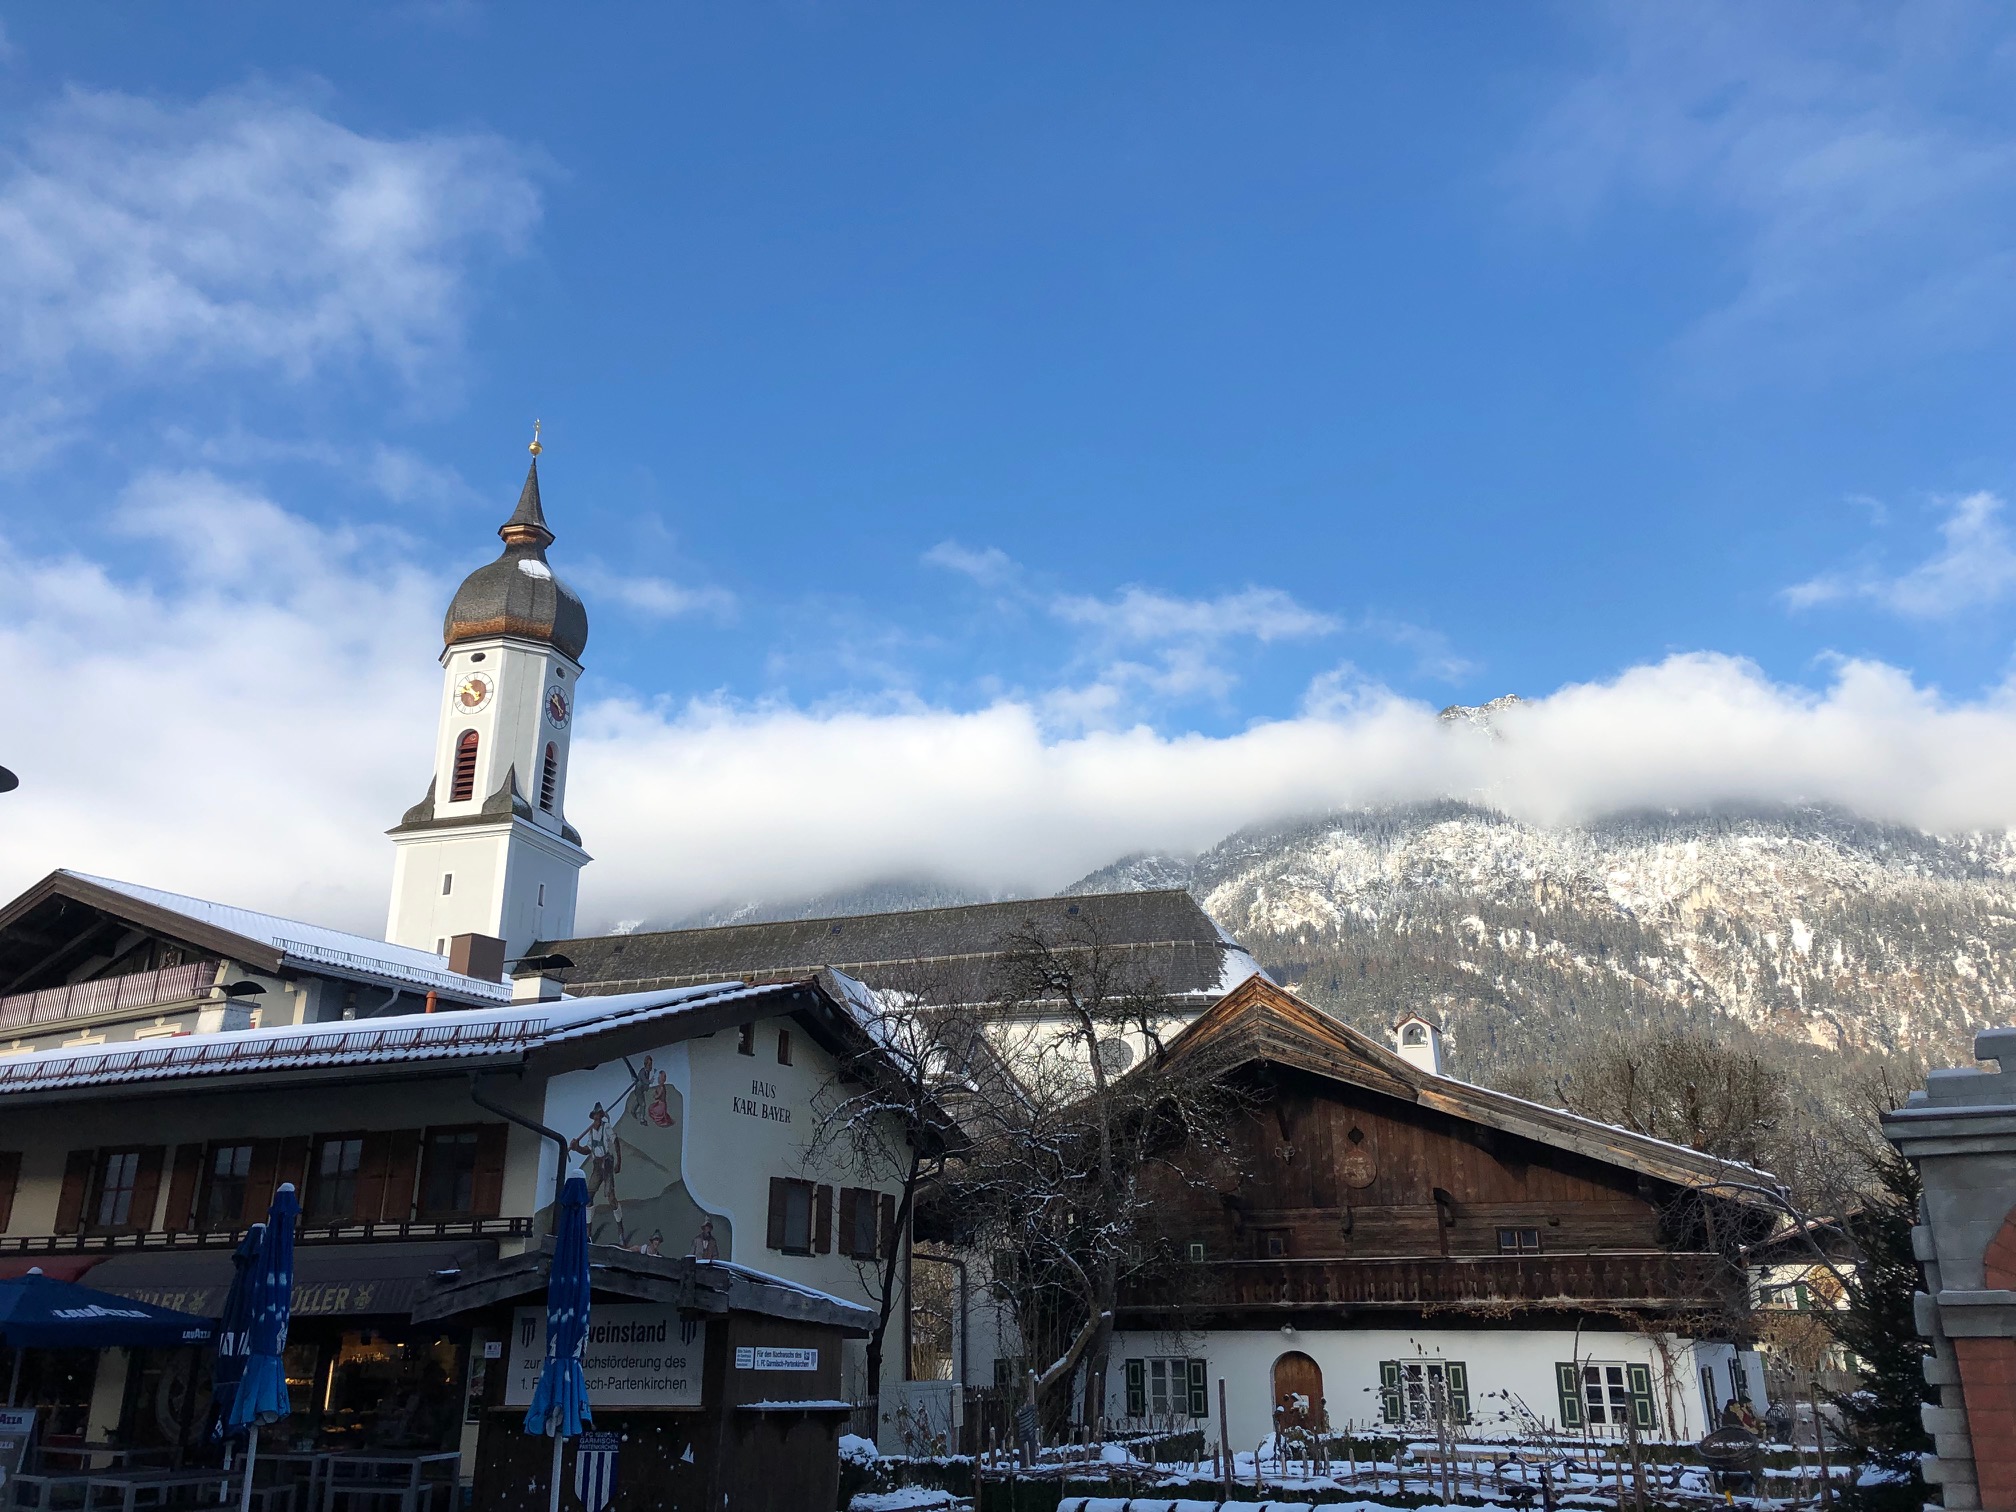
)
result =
(234, 1329)
(560, 1401)
(262, 1389)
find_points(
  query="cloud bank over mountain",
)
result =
(243, 717)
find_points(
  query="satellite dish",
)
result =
(8, 781)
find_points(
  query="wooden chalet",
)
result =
(1387, 1244)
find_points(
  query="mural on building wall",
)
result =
(625, 1123)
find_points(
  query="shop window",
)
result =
(228, 1174)
(790, 1215)
(1518, 1241)
(448, 1174)
(1166, 1388)
(332, 1190)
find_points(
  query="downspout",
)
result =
(559, 1140)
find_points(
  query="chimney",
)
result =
(477, 956)
(536, 979)
(535, 987)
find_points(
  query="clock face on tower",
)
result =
(556, 708)
(472, 692)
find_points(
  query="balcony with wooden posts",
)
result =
(1648, 1280)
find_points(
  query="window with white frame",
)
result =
(1165, 1387)
(1606, 1395)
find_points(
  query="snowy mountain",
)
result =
(1805, 924)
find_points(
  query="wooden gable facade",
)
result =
(1358, 1182)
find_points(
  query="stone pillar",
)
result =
(1960, 1132)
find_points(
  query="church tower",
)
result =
(489, 850)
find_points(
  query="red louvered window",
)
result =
(549, 778)
(463, 788)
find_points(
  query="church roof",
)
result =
(1165, 937)
(518, 593)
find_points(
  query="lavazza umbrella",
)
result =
(40, 1312)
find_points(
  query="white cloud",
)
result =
(1140, 616)
(1974, 567)
(988, 566)
(651, 597)
(247, 721)
(245, 231)
(1862, 198)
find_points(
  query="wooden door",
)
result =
(1298, 1392)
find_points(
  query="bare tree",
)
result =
(883, 1107)
(1056, 1184)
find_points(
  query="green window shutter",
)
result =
(1569, 1380)
(1642, 1411)
(1200, 1401)
(1137, 1388)
(1392, 1408)
(1458, 1377)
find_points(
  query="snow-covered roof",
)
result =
(311, 946)
(488, 1034)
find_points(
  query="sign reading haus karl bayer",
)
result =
(639, 1354)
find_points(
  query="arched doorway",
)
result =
(1298, 1392)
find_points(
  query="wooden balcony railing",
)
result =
(142, 989)
(1654, 1279)
(307, 1233)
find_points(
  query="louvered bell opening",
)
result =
(463, 788)
(549, 777)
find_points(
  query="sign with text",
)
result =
(747, 1358)
(638, 1354)
(17, 1429)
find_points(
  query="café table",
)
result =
(132, 1490)
(307, 1469)
(47, 1487)
(377, 1476)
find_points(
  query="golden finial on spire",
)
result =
(535, 448)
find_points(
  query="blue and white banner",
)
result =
(595, 1470)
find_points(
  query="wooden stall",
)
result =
(712, 1385)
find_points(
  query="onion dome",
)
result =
(518, 594)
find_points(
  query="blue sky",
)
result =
(1137, 377)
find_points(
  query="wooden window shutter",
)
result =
(402, 1175)
(1639, 1378)
(263, 1177)
(146, 1188)
(372, 1162)
(850, 1223)
(1200, 1399)
(886, 1237)
(1457, 1375)
(10, 1182)
(186, 1177)
(822, 1220)
(462, 785)
(1137, 1388)
(779, 1187)
(492, 1142)
(77, 1169)
(293, 1166)
(1568, 1382)
(1392, 1406)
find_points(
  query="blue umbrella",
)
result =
(262, 1390)
(234, 1329)
(560, 1402)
